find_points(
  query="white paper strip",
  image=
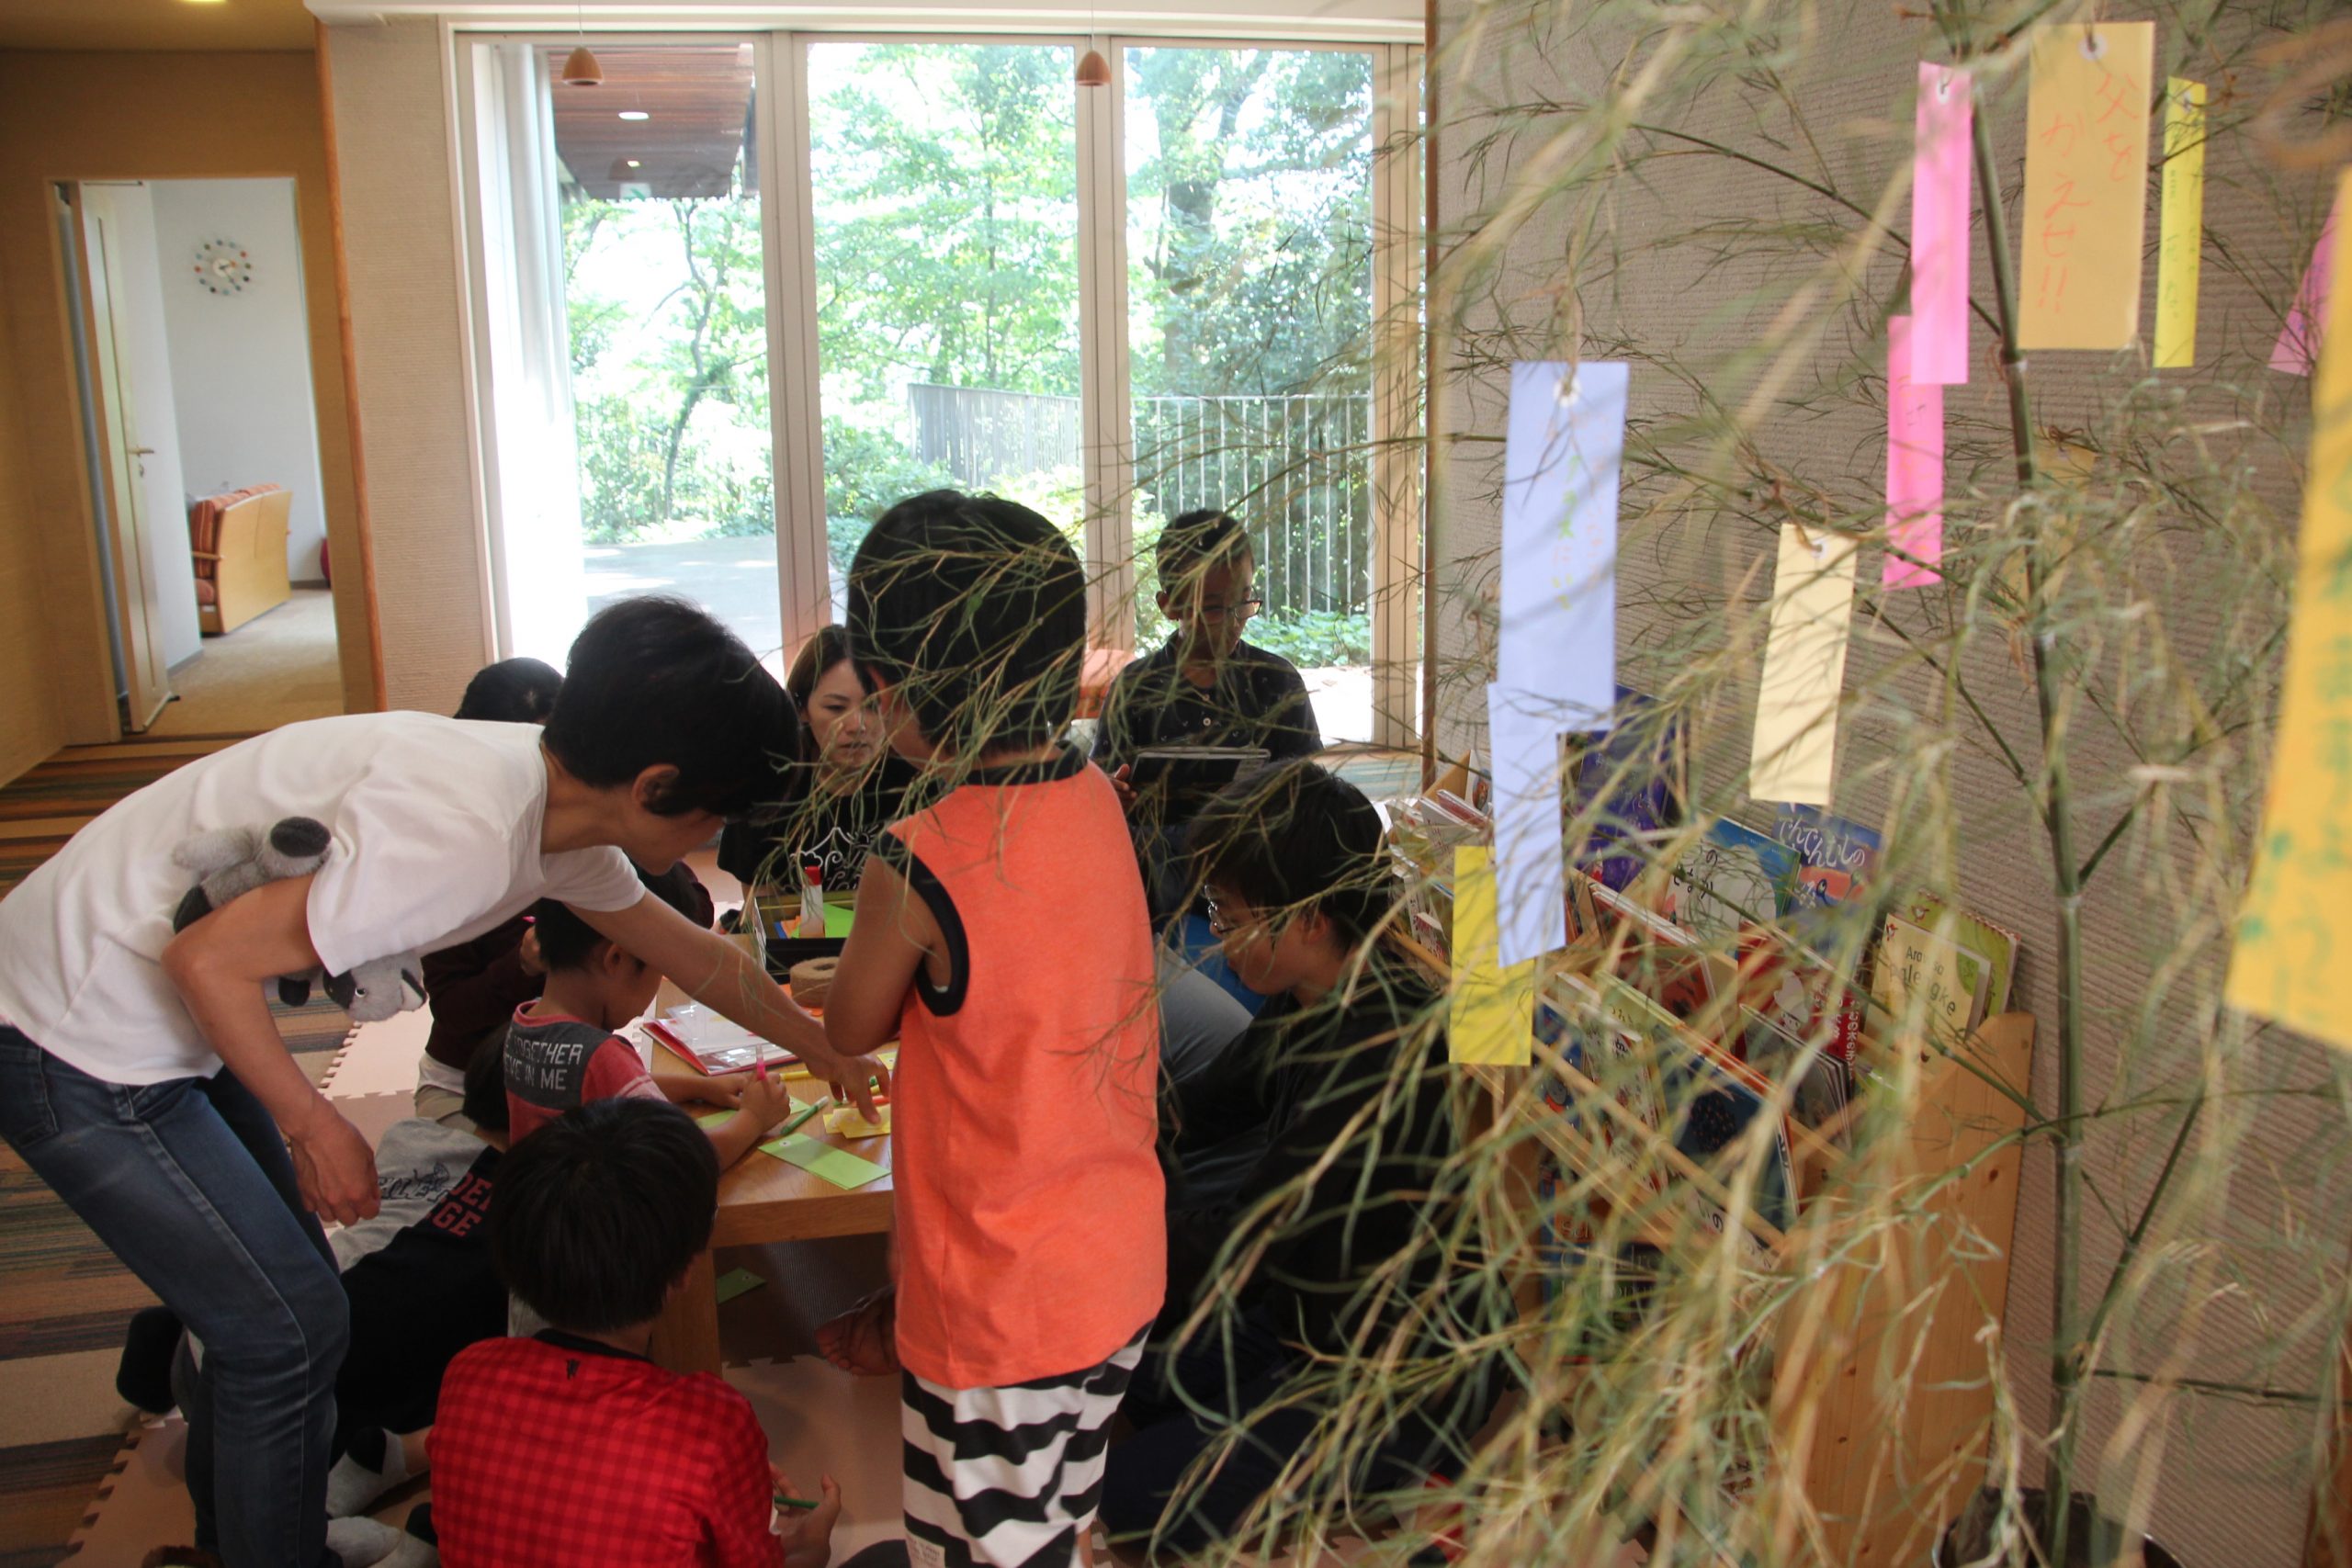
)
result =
(1565, 446)
(1530, 887)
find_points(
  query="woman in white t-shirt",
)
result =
(142, 1077)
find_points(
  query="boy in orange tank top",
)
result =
(1001, 935)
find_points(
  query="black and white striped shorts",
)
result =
(1008, 1477)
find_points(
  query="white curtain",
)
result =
(529, 438)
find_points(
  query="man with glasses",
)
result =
(1205, 686)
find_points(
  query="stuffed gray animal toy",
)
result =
(230, 861)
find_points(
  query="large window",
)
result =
(944, 184)
(745, 293)
(1249, 255)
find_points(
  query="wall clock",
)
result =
(222, 266)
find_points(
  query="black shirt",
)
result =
(1258, 700)
(835, 831)
(1369, 1078)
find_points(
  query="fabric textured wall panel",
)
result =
(407, 325)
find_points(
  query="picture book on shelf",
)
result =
(1833, 856)
(1715, 1102)
(1791, 989)
(1626, 785)
(1822, 1086)
(1994, 944)
(1731, 878)
(1921, 976)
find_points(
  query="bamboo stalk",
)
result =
(2069, 1349)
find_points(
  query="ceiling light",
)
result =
(634, 164)
(582, 70)
(634, 114)
(1094, 71)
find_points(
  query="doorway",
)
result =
(193, 362)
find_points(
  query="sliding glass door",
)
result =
(746, 292)
(944, 179)
(1249, 262)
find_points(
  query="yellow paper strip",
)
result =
(2299, 904)
(2180, 249)
(1493, 1023)
(1804, 669)
(2086, 185)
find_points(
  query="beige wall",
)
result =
(392, 148)
(135, 115)
(1664, 277)
(29, 729)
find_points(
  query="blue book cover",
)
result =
(1632, 771)
(1735, 877)
(1835, 857)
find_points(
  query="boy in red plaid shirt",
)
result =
(572, 1448)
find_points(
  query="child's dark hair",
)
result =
(485, 1101)
(1195, 543)
(601, 1211)
(566, 941)
(1292, 836)
(512, 690)
(975, 608)
(654, 680)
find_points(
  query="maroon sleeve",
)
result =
(474, 989)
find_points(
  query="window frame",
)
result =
(788, 230)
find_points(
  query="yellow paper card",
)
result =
(2288, 965)
(2086, 185)
(1493, 1021)
(2181, 248)
(1804, 668)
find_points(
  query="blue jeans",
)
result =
(189, 1182)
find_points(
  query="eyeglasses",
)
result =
(1219, 927)
(1246, 610)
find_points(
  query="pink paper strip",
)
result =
(1939, 228)
(1915, 467)
(2296, 349)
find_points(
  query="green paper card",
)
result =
(735, 1281)
(840, 1166)
(714, 1118)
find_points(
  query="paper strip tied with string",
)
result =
(2181, 229)
(1794, 753)
(1939, 227)
(2086, 185)
(2294, 936)
(1492, 1019)
(1914, 466)
(2298, 347)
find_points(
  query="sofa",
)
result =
(239, 542)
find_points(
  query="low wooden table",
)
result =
(761, 1199)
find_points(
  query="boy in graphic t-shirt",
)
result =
(1001, 935)
(561, 1051)
(144, 1078)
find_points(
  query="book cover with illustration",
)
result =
(1626, 785)
(1732, 876)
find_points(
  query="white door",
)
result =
(138, 446)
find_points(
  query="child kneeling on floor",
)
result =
(562, 1052)
(571, 1447)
